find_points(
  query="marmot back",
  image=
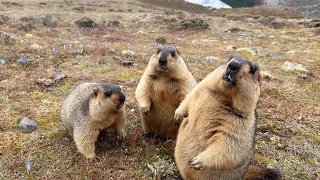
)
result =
(89, 108)
(216, 136)
(164, 84)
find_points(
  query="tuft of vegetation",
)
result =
(85, 23)
(194, 23)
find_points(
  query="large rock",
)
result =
(27, 125)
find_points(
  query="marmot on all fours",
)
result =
(164, 84)
(89, 108)
(216, 135)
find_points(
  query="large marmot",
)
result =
(90, 108)
(216, 137)
(164, 84)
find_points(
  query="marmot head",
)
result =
(107, 97)
(166, 57)
(240, 83)
(240, 71)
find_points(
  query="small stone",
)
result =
(234, 30)
(132, 110)
(128, 53)
(21, 60)
(116, 58)
(28, 35)
(58, 77)
(27, 125)
(291, 52)
(268, 76)
(45, 82)
(212, 58)
(230, 48)
(303, 76)
(36, 46)
(125, 62)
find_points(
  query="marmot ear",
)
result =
(95, 92)
(178, 50)
(159, 49)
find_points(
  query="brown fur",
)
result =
(215, 140)
(87, 110)
(160, 92)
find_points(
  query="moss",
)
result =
(79, 66)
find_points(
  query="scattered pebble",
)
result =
(28, 35)
(289, 66)
(128, 53)
(230, 48)
(132, 110)
(21, 60)
(291, 52)
(303, 76)
(27, 125)
(126, 63)
(58, 77)
(13, 36)
(268, 76)
(211, 58)
(36, 46)
(45, 82)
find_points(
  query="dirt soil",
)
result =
(39, 39)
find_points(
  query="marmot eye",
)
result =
(173, 53)
(233, 67)
(108, 93)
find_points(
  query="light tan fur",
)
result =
(86, 111)
(160, 92)
(215, 140)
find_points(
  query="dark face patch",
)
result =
(230, 76)
(164, 52)
(114, 92)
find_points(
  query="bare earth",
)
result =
(44, 34)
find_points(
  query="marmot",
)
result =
(90, 108)
(164, 84)
(216, 137)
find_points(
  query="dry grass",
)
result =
(288, 130)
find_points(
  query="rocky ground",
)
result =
(309, 8)
(47, 47)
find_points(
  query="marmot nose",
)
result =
(122, 100)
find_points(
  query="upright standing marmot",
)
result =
(215, 140)
(164, 84)
(90, 108)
